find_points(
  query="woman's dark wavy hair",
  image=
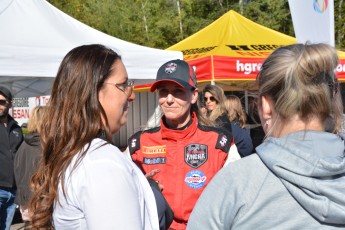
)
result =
(72, 120)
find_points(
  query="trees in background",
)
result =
(162, 23)
(339, 23)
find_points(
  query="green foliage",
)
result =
(274, 14)
(156, 23)
(339, 23)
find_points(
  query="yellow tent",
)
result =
(230, 51)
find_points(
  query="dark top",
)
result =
(10, 139)
(242, 138)
(165, 213)
(25, 165)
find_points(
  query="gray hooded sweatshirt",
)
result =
(293, 182)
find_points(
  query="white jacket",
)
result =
(106, 191)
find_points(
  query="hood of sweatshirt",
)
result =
(32, 139)
(311, 165)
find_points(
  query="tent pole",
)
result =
(246, 100)
(212, 66)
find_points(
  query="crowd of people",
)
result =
(196, 168)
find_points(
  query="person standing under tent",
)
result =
(214, 99)
(185, 150)
(27, 159)
(11, 137)
(238, 119)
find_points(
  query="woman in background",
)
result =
(235, 111)
(238, 119)
(214, 99)
(83, 181)
(297, 178)
(26, 160)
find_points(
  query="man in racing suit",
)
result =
(186, 153)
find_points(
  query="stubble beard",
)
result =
(4, 113)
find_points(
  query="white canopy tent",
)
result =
(35, 36)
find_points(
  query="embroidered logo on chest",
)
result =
(16, 133)
(195, 155)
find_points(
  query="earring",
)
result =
(266, 122)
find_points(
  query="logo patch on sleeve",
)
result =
(195, 155)
(134, 143)
(223, 141)
(195, 179)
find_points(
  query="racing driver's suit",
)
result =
(187, 160)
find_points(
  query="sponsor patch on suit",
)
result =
(195, 155)
(154, 160)
(154, 149)
(195, 179)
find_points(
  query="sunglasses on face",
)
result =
(4, 102)
(211, 99)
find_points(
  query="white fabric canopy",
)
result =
(35, 36)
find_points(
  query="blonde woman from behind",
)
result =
(297, 178)
(235, 110)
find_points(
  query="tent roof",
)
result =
(230, 51)
(35, 36)
(232, 35)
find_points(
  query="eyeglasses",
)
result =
(126, 87)
(4, 102)
(211, 98)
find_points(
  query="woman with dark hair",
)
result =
(83, 181)
(297, 178)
